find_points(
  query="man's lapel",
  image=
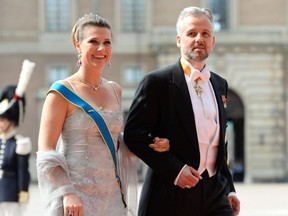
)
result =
(219, 89)
(219, 94)
(182, 103)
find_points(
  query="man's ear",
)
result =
(178, 41)
(214, 42)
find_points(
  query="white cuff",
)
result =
(176, 180)
(232, 194)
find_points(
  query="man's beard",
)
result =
(197, 57)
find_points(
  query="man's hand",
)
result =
(23, 197)
(160, 144)
(189, 177)
(235, 204)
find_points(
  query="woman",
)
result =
(83, 173)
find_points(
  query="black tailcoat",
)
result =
(162, 107)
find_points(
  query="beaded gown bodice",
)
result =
(90, 162)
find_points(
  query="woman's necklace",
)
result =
(90, 85)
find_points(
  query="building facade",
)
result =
(251, 53)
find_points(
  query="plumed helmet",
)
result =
(12, 99)
(12, 107)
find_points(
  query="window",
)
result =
(57, 72)
(132, 75)
(133, 15)
(220, 10)
(57, 15)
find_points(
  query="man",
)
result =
(184, 103)
(15, 149)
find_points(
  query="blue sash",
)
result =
(96, 118)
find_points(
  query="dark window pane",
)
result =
(220, 10)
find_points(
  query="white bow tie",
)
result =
(200, 76)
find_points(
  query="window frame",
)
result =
(133, 19)
(220, 3)
(132, 69)
(67, 72)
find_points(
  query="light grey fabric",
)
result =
(128, 164)
(84, 166)
(53, 181)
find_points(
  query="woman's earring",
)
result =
(79, 62)
(109, 65)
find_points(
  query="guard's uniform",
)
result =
(14, 170)
(14, 149)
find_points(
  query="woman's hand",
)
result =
(72, 205)
(160, 144)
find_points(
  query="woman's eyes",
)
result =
(93, 42)
(97, 43)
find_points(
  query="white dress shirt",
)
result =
(207, 121)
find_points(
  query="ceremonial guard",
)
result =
(14, 148)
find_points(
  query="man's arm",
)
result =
(141, 129)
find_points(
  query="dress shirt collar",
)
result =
(187, 68)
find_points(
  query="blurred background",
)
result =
(251, 53)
